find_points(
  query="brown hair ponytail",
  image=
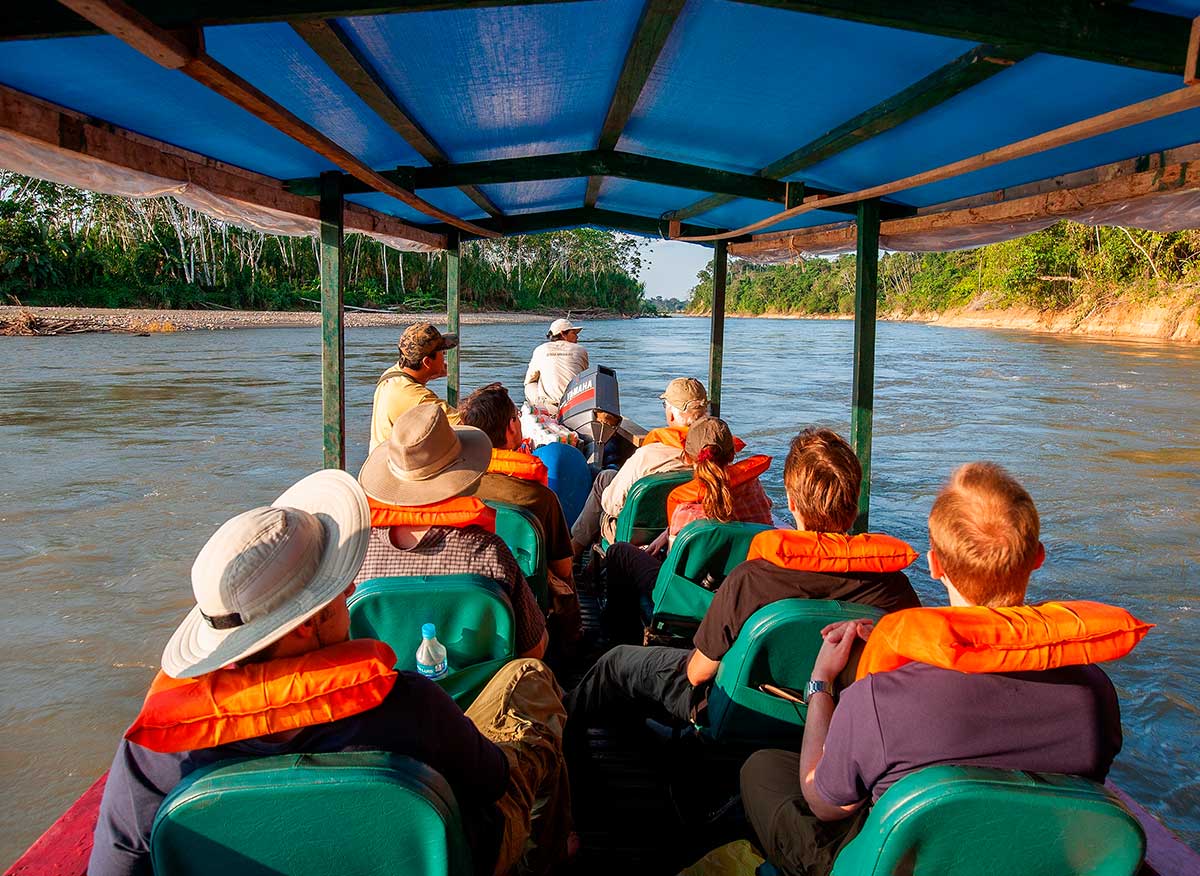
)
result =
(710, 467)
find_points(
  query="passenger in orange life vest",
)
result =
(554, 364)
(822, 477)
(722, 490)
(987, 682)
(520, 478)
(262, 665)
(426, 519)
(684, 402)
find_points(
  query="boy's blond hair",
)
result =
(985, 528)
(822, 477)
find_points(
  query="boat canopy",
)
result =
(766, 128)
(674, 118)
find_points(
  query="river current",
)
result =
(120, 455)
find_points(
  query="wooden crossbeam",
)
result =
(336, 49)
(49, 125)
(967, 70)
(1123, 117)
(1058, 197)
(529, 223)
(649, 37)
(48, 20)
(1111, 33)
(145, 36)
(597, 163)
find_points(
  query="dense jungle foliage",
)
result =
(64, 246)
(1066, 265)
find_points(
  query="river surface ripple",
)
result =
(120, 455)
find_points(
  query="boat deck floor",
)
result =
(642, 803)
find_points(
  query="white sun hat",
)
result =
(561, 326)
(266, 571)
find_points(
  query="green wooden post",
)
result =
(333, 344)
(866, 291)
(452, 260)
(716, 340)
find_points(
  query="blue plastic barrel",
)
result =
(569, 476)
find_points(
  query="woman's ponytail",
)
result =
(711, 472)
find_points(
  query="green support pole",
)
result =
(333, 348)
(866, 291)
(452, 259)
(716, 340)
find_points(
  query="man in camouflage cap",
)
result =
(402, 387)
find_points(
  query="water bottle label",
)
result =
(435, 671)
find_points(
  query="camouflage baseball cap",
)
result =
(422, 339)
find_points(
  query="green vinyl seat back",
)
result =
(526, 538)
(473, 615)
(975, 821)
(777, 645)
(351, 813)
(644, 514)
(703, 547)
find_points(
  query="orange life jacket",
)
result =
(738, 473)
(256, 699)
(831, 553)
(675, 436)
(516, 464)
(459, 512)
(1022, 638)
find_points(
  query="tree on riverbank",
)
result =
(1067, 265)
(64, 246)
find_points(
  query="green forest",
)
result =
(63, 246)
(1065, 266)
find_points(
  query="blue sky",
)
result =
(670, 267)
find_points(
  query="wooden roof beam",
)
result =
(531, 223)
(48, 20)
(649, 37)
(126, 23)
(939, 86)
(338, 51)
(597, 163)
(49, 125)
(1109, 33)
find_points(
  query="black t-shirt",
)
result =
(891, 723)
(417, 719)
(756, 583)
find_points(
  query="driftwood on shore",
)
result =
(25, 323)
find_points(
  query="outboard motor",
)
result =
(591, 407)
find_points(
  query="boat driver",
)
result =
(554, 364)
(267, 646)
(404, 386)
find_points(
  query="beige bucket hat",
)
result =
(268, 570)
(426, 460)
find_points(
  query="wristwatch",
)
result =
(815, 687)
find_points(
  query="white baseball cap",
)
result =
(561, 326)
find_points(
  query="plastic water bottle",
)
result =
(431, 656)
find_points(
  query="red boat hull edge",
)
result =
(64, 848)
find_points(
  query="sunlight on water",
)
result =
(121, 455)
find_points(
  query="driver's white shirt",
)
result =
(553, 366)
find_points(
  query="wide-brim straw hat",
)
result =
(425, 460)
(268, 570)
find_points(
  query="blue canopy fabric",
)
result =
(735, 87)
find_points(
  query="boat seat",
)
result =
(644, 514)
(777, 645)
(474, 621)
(362, 812)
(703, 547)
(973, 821)
(526, 538)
